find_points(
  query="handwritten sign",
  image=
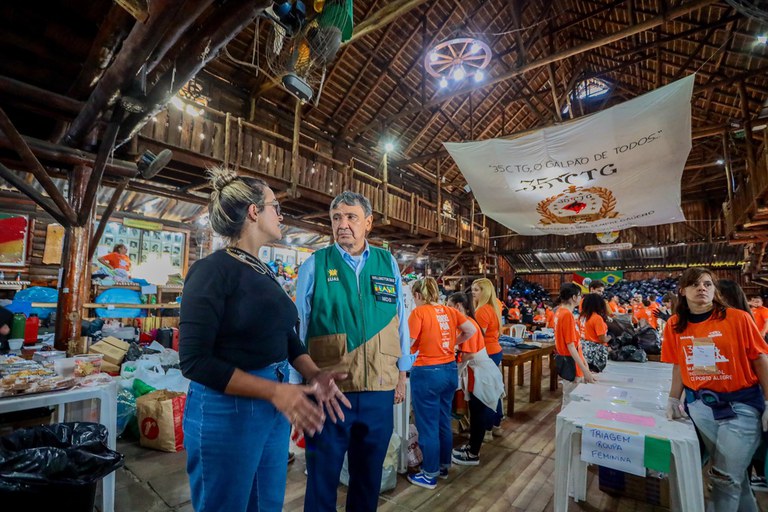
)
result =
(613, 448)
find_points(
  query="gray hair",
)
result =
(352, 199)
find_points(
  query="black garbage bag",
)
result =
(48, 465)
(632, 353)
(649, 340)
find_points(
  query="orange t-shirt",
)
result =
(613, 307)
(474, 344)
(539, 319)
(593, 327)
(761, 315)
(487, 319)
(434, 327)
(736, 340)
(117, 260)
(550, 316)
(567, 332)
(650, 317)
(513, 314)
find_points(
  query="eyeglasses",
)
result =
(276, 204)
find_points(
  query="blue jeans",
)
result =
(496, 358)
(364, 435)
(731, 444)
(432, 390)
(237, 448)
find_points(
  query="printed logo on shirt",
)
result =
(384, 289)
(333, 275)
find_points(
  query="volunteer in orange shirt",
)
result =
(720, 362)
(434, 377)
(613, 305)
(541, 317)
(513, 315)
(485, 373)
(648, 314)
(760, 313)
(594, 331)
(549, 314)
(488, 316)
(568, 338)
(118, 259)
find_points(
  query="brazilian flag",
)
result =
(609, 278)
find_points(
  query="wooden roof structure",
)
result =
(85, 88)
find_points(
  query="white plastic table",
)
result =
(647, 398)
(106, 395)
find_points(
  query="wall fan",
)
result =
(303, 41)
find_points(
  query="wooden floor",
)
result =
(516, 472)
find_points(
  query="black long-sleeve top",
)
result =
(233, 317)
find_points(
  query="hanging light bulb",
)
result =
(762, 39)
(474, 48)
(479, 76)
(176, 102)
(192, 111)
(459, 73)
(432, 57)
(443, 82)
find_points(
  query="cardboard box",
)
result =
(653, 489)
(111, 348)
(110, 368)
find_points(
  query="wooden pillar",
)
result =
(385, 184)
(295, 148)
(472, 224)
(75, 280)
(439, 203)
(227, 138)
(747, 128)
(727, 165)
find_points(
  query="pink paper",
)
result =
(623, 417)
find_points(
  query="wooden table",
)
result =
(514, 357)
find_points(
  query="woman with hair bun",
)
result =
(434, 377)
(237, 337)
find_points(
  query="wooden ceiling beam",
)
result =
(394, 59)
(134, 52)
(651, 23)
(28, 157)
(383, 17)
(224, 24)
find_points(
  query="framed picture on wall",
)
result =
(14, 235)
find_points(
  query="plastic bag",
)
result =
(389, 472)
(415, 457)
(649, 340)
(63, 453)
(155, 376)
(126, 409)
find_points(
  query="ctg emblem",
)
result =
(333, 275)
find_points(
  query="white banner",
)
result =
(609, 171)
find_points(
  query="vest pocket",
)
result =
(389, 340)
(327, 350)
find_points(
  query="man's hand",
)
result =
(5, 330)
(326, 392)
(400, 388)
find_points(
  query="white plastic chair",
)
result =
(517, 331)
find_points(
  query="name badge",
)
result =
(703, 356)
(384, 289)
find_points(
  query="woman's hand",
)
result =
(292, 401)
(323, 387)
(589, 378)
(400, 388)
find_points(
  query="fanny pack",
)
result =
(720, 403)
(566, 367)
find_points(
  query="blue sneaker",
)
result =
(423, 480)
(443, 473)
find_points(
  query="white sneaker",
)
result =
(488, 436)
(497, 432)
